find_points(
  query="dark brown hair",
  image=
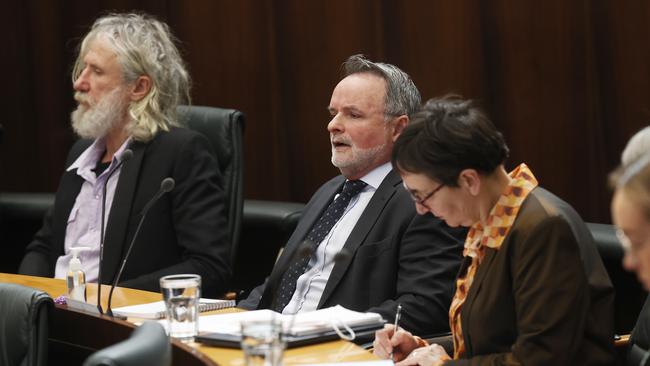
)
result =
(446, 136)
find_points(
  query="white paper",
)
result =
(304, 323)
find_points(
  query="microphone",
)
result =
(166, 185)
(341, 255)
(307, 249)
(127, 154)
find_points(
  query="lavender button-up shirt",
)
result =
(84, 222)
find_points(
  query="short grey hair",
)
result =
(402, 96)
(638, 146)
(144, 46)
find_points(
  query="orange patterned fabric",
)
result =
(479, 237)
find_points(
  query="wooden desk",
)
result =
(76, 335)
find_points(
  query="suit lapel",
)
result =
(360, 231)
(70, 186)
(297, 238)
(66, 196)
(307, 223)
(119, 217)
(479, 277)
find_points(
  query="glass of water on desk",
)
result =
(262, 342)
(181, 294)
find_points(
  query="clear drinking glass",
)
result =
(181, 294)
(262, 342)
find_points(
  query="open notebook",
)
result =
(224, 330)
(156, 310)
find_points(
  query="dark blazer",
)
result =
(397, 257)
(544, 298)
(184, 232)
(639, 345)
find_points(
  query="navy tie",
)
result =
(318, 232)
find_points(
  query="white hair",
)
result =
(144, 46)
(638, 146)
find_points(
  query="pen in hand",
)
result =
(398, 314)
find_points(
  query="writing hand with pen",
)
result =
(404, 348)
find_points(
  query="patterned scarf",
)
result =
(479, 237)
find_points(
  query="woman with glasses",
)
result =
(532, 289)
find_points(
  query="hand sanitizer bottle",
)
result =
(76, 279)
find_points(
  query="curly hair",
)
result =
(144, 46)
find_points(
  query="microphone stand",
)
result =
(338, 258)
(305, 249)
(166, 185)
(127, 154)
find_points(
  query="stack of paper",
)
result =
(304, 324)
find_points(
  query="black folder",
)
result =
(233, 341)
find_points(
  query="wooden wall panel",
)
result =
(567, 82)
(230, 48)
(541, 77)
(439, 44)
(314, 38)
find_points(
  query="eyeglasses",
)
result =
(426, 197)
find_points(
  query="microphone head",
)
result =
(167, 184)
(342, 255)
(306, 249)
(127, 154)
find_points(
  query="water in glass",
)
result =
(181, 294)
(261, 343)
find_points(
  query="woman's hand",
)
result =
(400, 343)
(433, 355)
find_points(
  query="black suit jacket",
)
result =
(397, 257)
(640, 337)
(184, 232)
(543, 298)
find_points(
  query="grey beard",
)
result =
(98, 120)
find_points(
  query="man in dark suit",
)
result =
(129, 79)
(393, 256)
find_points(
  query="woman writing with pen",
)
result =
(532, 289)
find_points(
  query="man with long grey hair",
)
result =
(360, 243)
(128, 80)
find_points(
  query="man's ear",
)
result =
(141, 87)
(470, 179)
(399, 124)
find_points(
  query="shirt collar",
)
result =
(377, 175)
(89, 158)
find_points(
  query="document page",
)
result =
(304, 323)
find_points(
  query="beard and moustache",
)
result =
(357, 159)
(96, 119)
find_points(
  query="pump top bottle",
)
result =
(76, 279)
